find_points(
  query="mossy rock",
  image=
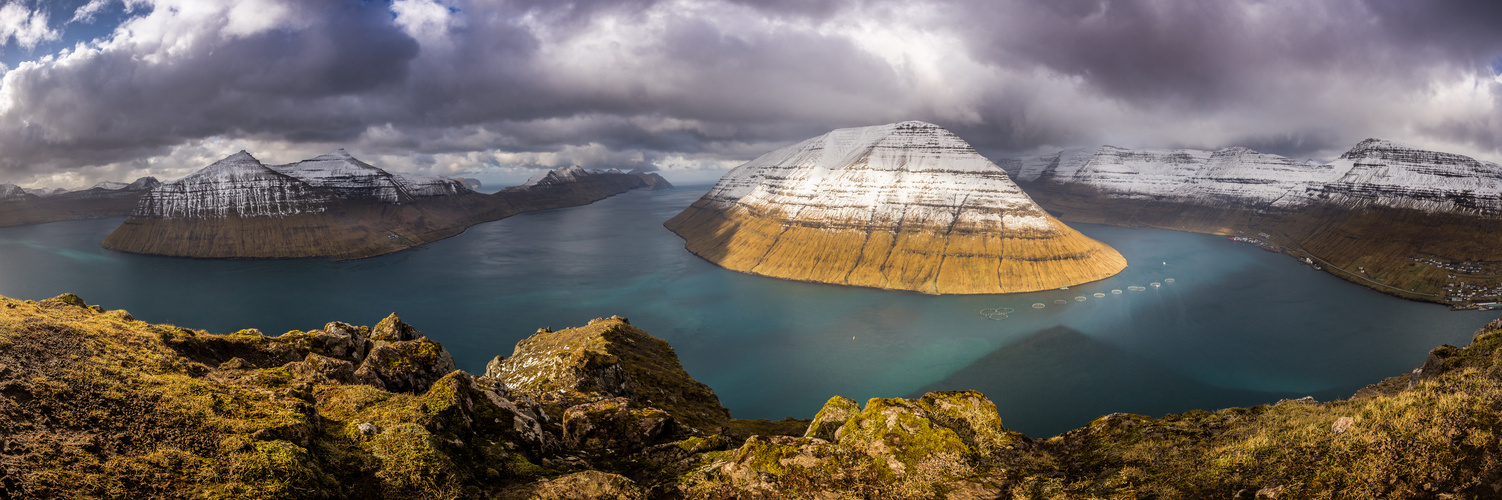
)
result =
(831, 417)
(614, 424)
(406, 366)
(610, 358)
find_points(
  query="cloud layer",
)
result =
(499, 87)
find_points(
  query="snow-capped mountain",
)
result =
(12, 192)
(1374, 173)
(351, 178)
(237, 186)
(562, 175)
(907, 205)
(909, 172)
(1399, 219)
(45, 191)
(109, 189)
(331, 205)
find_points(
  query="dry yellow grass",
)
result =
(913, 257)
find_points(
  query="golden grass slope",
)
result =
(922, 259)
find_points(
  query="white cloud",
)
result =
(87, 12)
(26, 27)
(426, 20)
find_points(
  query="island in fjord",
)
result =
(906, 206)
(1417, 224)
(335, 205)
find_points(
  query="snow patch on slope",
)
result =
(1374, 173)
(909, 173)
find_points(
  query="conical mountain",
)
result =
(906, 206)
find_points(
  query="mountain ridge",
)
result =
(332, 205)
(1397, 219)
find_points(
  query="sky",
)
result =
(97, 90)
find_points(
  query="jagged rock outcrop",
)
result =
(1395, 218)
(331, 205)
(607, 359)
(906, 206)
(932, 445)
(20, 206)
(94, 403)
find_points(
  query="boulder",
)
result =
(319, 368)
(831, 417)
(405, 366)
(606, 359)
(392, 329)
(614, 424)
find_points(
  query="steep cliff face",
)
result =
(331, 205)
(1419, 224)
(905, 206)
(237, 186)
(97, 404)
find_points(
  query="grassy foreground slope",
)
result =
(94, 403)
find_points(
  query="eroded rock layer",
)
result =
(905, 206)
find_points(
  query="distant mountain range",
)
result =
(19, 206)
(333, 205)
(1402, 220)
(905, 206)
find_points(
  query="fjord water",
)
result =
(1238, 326)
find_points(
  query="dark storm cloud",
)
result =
(646, 81)
(112, 105)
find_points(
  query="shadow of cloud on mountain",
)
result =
(1061, 366)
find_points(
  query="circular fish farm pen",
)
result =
(1099, 295)
(1116, 292)
(1136, 288)
(1155, 284)
(1039, 305)
(996, 313)
(1079, 298)
(1168, 280)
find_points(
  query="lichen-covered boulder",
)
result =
(319, 368)
(341, 340)
(831, 417)
(392, 329)
(972, 417)
(930, 447)
(614, 424)
(406, 366)
(606, 359)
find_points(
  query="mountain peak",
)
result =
(1372, 145)
(857, 192)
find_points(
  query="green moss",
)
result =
(410, 458)
(696, 444)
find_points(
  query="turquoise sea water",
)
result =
(1238, 326)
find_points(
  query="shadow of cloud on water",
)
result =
(1082, 376)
